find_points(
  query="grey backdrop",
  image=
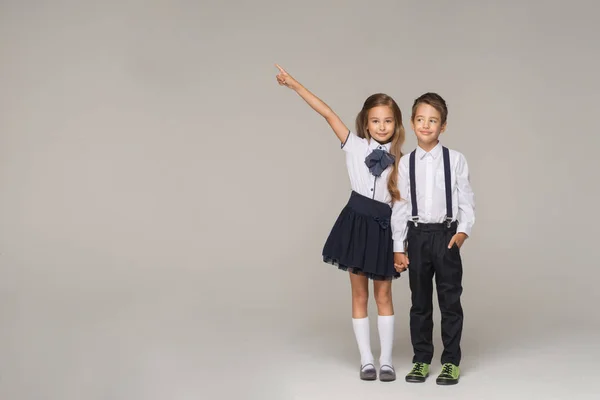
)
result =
(164, 202)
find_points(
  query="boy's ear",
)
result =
(444, 127)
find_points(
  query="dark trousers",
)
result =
(429, 257)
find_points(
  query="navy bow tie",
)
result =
(378, 161)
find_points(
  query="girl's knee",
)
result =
(383, 296)
(360, 296)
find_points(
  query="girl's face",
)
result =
(427, 125)
(381, 123)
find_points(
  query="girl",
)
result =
(361, 239)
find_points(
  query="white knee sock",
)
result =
(385, 325)
(363, 339)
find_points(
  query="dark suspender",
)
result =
(448, 185)
(413, 187)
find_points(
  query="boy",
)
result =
(430, 227)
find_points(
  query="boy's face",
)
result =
(381, 123)
(427, 125)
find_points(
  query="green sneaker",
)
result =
(449, 375)
(418, 373)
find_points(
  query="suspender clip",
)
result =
(415, 219)
(448, 221)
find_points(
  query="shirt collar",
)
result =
(435, 152)
(374, 144)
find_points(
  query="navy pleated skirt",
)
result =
(361, 239)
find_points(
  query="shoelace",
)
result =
(418, 368)
(447, 369)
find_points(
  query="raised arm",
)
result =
(285, 79)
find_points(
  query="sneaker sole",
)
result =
(446, 382)
(415, 379)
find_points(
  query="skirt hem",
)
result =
(359, 271)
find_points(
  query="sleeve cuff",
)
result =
(464, 228)
(399, 246)
(346, 141)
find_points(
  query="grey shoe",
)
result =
(387, 374)
(368, 372)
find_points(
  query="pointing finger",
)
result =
(283, 71)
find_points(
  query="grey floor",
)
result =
(166, 339)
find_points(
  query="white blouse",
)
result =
(361, 179)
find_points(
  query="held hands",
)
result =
(285, 79)
(458, 239)
(400, 262)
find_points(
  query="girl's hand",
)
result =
(285, 79)
(341, 131)
(401, 262)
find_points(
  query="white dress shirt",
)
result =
(361, 179)
(431, 193)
